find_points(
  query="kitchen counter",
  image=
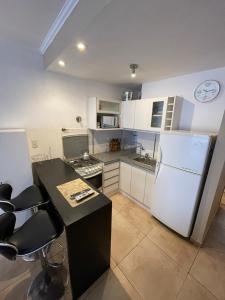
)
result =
(126, 156)
(87, 226)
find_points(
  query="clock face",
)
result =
(207, 91)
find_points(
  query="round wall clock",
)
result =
(207, 91)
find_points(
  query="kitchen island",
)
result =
(87, 226)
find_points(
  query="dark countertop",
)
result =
(52, 173)
(126, 156)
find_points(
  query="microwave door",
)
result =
(108, 121)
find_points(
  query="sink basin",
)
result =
(146, 161)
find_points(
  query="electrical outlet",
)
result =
(34, 144)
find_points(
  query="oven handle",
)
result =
(92, 175)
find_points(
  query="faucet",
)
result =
(140, 146)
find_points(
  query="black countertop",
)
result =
(52, 173)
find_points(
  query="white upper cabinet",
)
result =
(157, 116)
(128, 113)
(99, 107)
(152, 114)
(143, 110)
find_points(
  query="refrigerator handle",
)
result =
(160, 154)
(158, 163)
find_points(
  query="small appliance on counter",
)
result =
(109, 121)
(115, 145)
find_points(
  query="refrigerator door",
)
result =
(174, 198)
(186, 152)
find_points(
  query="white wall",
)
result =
(31, 97)
(207, 116)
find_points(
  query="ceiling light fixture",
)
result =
(133, 68)
(81, 46)
(61, 63)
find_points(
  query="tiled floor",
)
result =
(148, 262)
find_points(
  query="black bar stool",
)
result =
(35, 236)
(30, 198)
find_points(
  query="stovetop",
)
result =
(86, 168)
(80, 162)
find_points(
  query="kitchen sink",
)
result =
(147, 161)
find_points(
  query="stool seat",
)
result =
(29, 198)
(37, 232)
(7, 224)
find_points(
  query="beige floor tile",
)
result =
(11, 271)
(193, 290)
(223, 199)
(179, 249)
(113, 285)
(17, 290)
(114, 212)
(119, 202)
(112, 263)
(154, 275)
(124, 237)
(140, 218)
(220, 216)
(215, 238)
(209, 270)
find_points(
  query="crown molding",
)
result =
(65, 12)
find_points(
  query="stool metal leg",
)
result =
(50, 282)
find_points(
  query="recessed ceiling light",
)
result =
(81, 46)
(61, 63)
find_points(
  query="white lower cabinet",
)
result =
(137, 183)
(125, 177)
(149, 181)
(137, 187)
(111, 174)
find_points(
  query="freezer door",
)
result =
(174, 198)
(186, 152)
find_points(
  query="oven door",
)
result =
(95, 180)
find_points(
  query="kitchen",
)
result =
(146, 137)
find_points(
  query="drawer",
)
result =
(111, 189)
(111, 181)
(110, 174)
(110, 167)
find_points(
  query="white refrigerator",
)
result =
(181, 166)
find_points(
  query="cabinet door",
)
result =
(137, 190)
(128, 112)
(143, 114)
(149, 181)
(125, 177)
(158, 111)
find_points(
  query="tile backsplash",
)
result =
(99, 140)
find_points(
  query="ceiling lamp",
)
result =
(61, 63)
(133, 68)
(81, 46)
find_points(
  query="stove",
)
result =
(87, 168)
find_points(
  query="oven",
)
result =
(95, 180)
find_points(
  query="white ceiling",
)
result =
(166, 38)
(28, 21)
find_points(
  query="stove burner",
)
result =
(80, 163)
(86, 167)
